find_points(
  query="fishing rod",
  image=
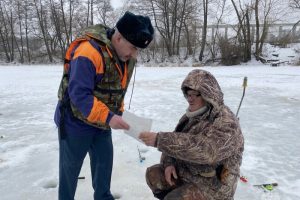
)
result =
(142, 158)
(132, 88)
(244, 91)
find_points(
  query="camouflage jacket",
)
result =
(202, 143)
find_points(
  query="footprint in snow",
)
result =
(50, 184)
(144, 150)
(117, 196)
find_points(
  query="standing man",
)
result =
(97, 70)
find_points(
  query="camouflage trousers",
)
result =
(162, 190)
(202, 189)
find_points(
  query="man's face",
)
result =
(124, 49)
(194, 99)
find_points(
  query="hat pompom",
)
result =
(137, 29)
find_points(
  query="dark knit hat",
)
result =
(137, 29)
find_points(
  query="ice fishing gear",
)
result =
(267, 186)
(142, 158)
(244, 90)
(244, 179)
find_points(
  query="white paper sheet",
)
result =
(137, 124)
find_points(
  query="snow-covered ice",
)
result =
(269, 119)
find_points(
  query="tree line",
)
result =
(39, 31)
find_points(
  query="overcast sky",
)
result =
(116, 3)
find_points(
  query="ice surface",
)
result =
(269, 118)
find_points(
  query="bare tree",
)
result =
(204, 28)
(295, 4)
(4, 33)
(90, 13)
(12, 34)
(58, 22)
(42, 21)
(243, 32)
(31, 29)
(20, 14)
(48, 27)
(190, 35)
(163, 21)
(10, 26)
(104, 10)
(169, 18)
(67, 31)
(265, 7)
(14, 23)
(218, 13)
(26, 26)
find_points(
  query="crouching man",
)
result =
(201, 159)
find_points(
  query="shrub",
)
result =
(282, 41)
(230, 52)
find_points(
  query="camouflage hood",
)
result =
(205, 83)
(97, 32)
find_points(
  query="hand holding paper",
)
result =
(137, 124)
(149, 138)
(117, 122)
